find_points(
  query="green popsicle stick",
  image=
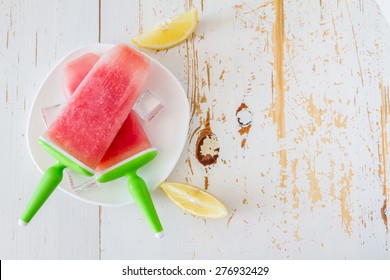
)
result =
(137, 186)
(138, 189)
(49, 181)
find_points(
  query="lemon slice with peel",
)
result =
(170, 32)
(194, 200)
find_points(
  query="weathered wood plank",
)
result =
(34, 36)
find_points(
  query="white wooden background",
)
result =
(299, 112)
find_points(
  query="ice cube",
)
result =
(147, 106)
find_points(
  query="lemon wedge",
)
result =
(194, 200)
(170, 32)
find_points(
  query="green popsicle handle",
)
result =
(50, 180)
(142, 198)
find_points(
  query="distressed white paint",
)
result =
(265, 226)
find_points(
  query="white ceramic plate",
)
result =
(167, 131)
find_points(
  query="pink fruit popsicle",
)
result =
(100, 105)
(84, 130)
(76, 70)
(147, 105)
(129, 151)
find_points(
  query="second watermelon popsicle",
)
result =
(76, 70)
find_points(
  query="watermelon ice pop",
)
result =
(147, 106)
(131, 138)
(87, 126)
(100, 105)
(129, 151)
(76, 70)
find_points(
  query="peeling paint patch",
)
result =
(331, 179)
(283, 164)
(346, 217)
(356, 44)
(192, 75)
(243, 143)
(315, 191)
(207, 145)
(341, 122)
(188, 161)
(295, 190)
(244, 116)
(278, 49)
(383, 153)
(244, 130)
(336, 46)
(384, 214)
(315, 112)
(222, 74)
(196, 130)
(231, 217)
(278, 111)
(296, 235)
(384, 114)
(258, 8)
(208, 74)
(244, 119)
(207, 148)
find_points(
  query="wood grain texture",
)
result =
(290, 132)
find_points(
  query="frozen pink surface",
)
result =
(100, 105)
(131, 138)
(76, 70)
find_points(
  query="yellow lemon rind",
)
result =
(220, 210)
(153, 46)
